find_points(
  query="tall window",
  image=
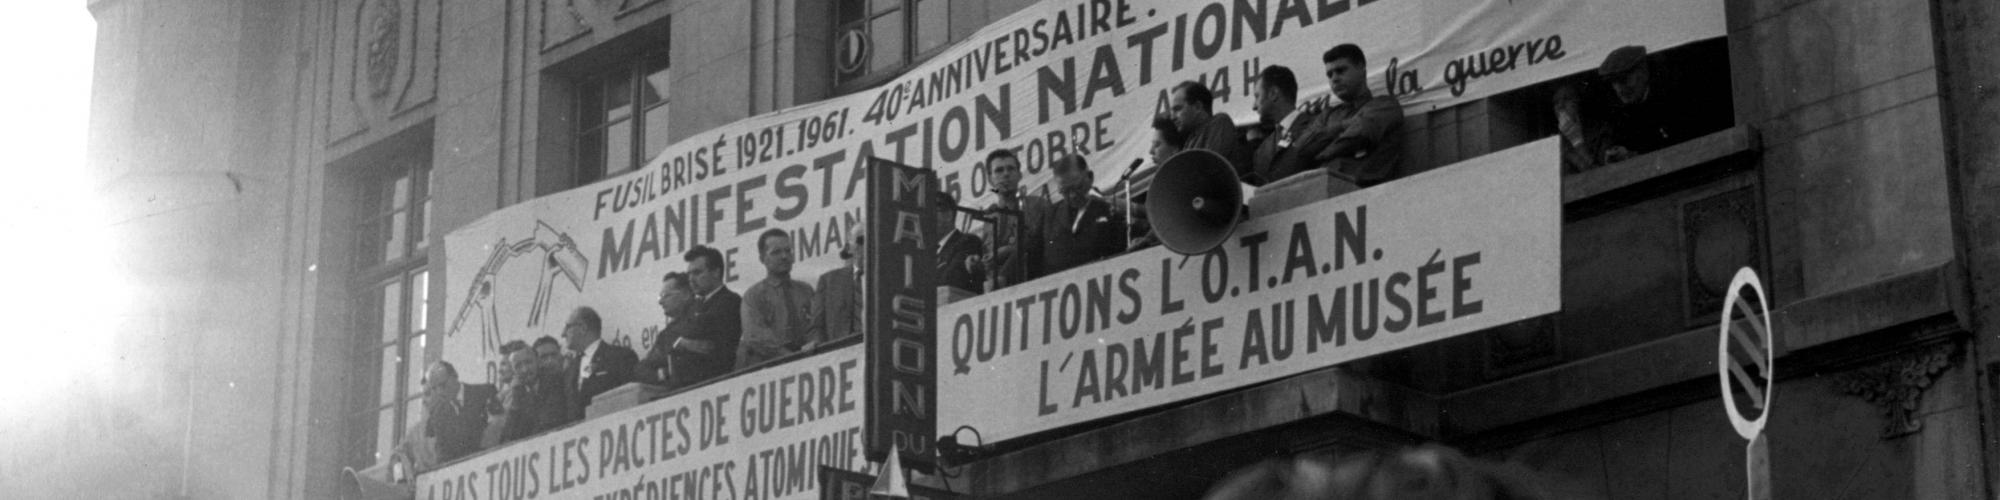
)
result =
(622, 118)
(392, 292)
(875, 39)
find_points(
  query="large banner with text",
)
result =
(1061, 77)
(1444, 253)
(763, 435)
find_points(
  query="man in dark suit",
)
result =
(708, 350)
(677, 304)
(555, 380)
(600, 366)
(1287, 136)
(525, 400)
(959, 264)
(455, 413)
(836, 309)
(1081, 228)
(1193, 108)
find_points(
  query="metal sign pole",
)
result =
(1757, 462)
(1751, 367)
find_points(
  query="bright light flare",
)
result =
(63, 296)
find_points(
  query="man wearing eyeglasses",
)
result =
(600, 366)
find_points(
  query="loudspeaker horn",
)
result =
(368, 485)
(1194, 202)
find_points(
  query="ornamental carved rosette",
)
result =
(1896, 386)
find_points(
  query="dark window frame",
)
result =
(594, 123)
(911, 52)
(387, 255)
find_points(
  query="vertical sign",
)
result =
(900, 312)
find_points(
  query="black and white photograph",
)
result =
(1001, 249)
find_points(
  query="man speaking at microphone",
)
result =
(1083, 227)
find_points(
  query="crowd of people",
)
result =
(711, 331)
(1357, 142)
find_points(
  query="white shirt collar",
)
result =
(583, 360)
(1290, 120)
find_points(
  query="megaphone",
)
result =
(1194, 201)
(382, 482)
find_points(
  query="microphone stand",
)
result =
(1127, 181)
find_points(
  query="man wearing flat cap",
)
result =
(1646, 115)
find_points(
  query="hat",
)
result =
(1621, 60)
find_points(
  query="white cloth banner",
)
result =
(1080, 77)
(1342, 279)
(761, 435)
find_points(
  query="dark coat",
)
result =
(535, 408)
(611, 366)
(458, 428)
(717, 320)
(951, 269)
(1075, 240)
(836, 309)
(1284, 153)
(660, 355)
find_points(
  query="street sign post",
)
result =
(1745, 357)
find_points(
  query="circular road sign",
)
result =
(1744, 353)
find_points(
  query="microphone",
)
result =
(1127, 181)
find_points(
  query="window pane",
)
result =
(887, 34)
(391, 311)
(423, 224)
(880, 6)
(385, 434)
(655, 90)
(400, 197)
(413, 371)
(420, 300)
(394, 241)
(617, 148)
(933, 24)
(391, 366)
(617, 98)
(421, 211)
(656, 131)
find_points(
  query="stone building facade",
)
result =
(286, 170)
